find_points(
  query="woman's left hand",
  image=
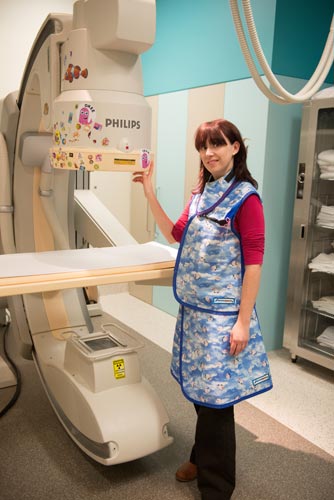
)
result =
(238, 338)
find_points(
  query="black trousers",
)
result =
(214, 452)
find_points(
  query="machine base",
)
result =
(113, 419)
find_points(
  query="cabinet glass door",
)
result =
(317, 325)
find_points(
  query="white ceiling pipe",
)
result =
(283, 97)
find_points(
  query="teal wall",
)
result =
(301, 29)
(196, 44)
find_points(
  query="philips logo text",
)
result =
(120, 123)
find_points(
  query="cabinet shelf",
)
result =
(319, 271)
(315, 346)
(326, 228)
(313, 310)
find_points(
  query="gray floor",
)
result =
(302, 398)
(40, 462)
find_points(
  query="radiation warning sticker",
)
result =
(119, 368)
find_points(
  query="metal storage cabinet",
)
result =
(310, 299)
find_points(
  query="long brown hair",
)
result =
(216, 132)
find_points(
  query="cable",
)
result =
(316, 80)
(16, 373)
(282, 96)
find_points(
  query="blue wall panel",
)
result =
(196, 44)
(170, 168)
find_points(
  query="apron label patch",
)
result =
(261, 379)
(223, 300)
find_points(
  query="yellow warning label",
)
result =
(119, 368)
(124, 161)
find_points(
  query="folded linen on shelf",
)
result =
(325, 166)
(329, 176)
(327, 156)
(325, 161)
(324, 304)
(325, 217)
(326, 338)
(324, 262)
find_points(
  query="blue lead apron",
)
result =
(207, 283)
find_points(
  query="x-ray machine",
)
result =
(80, 108)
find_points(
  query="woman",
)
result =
(218, 354)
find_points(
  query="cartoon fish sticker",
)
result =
(74, 72)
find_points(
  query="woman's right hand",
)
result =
(161, 218)
(145, 178)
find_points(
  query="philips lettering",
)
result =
(120, 123)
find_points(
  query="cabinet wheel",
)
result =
(294, 358)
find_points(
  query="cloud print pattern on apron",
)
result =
(207, 284)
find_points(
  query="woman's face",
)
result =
(218, 158)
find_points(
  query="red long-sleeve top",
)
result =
(249, 223)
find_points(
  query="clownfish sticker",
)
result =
(74, 72)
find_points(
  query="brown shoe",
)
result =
(187, 472)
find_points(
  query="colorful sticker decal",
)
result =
(97, 126)
(77, 159)
(86, 115)
(79, 124)
(57, 137)
(145, 158)
(74, 72)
